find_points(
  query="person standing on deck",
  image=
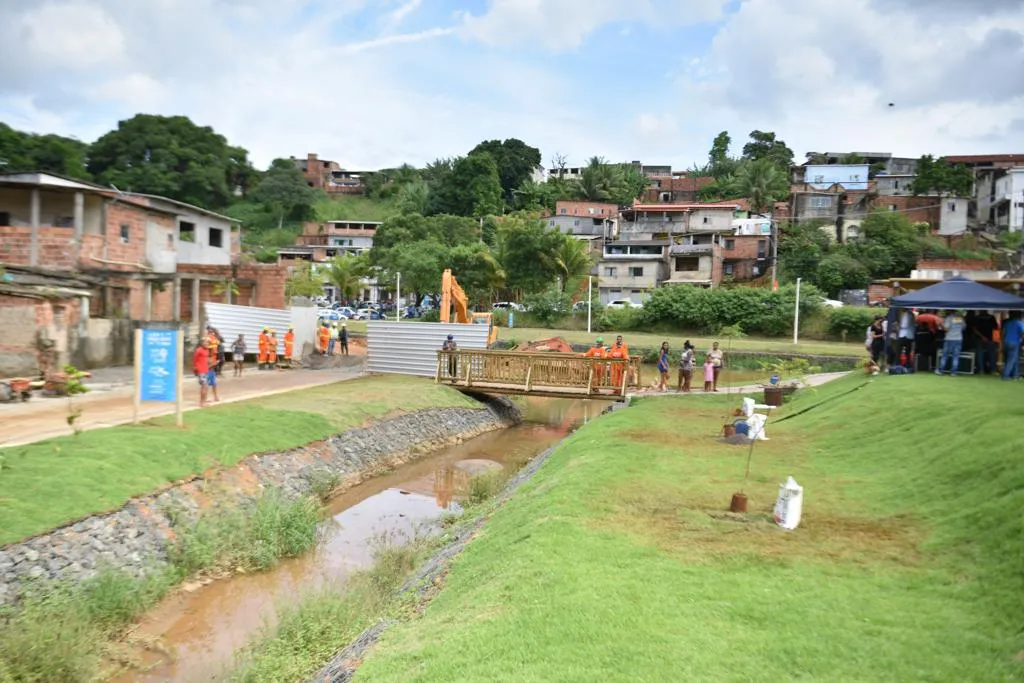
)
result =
(263, 346)
(718, 361)
(289, 344)
(619, 351)
(343, 339)
(450, 345)
(272, 349)
(598, 352)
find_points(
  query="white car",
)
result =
(507, 306)
(623, 303)
(831, 303)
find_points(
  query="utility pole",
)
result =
(775, 254)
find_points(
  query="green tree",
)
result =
(173, 157)
(285, 193)
(940, 177)
(526, 249)
(891, 232)
(761, 182)
(572, 259)
(802, 247)
(534, 196)
(388, 183)
(718, 158)
(515, 160)
(840, 270)
(764, 145)
(304, 281)
(414, 198)
(470, 188)
(21, 151)
(345, 273)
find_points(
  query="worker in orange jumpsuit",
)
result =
(597, 351)
(289, 343)
(325, 339)
(619, 351)
(272, 349)
(263, 344)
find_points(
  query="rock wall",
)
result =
(135, 538)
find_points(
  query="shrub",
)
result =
(431, 316)
(549, 307)
(500, 317)
(618, 319)
(851, 322)
(756, 310)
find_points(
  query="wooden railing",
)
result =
(538, 373)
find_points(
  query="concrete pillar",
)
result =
(147, 310)
(33, 254)
(176, 299)
(195, 301)
(79, 223)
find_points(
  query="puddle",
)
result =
(193, 635)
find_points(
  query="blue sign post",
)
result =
(158, 373)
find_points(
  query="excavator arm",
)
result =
(454, 297)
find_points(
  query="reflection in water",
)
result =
(200, 630)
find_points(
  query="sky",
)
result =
(375, 83)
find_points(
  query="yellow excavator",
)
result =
(452, 295)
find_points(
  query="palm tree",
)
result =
(761, 183)
(345, 272)
(572, 259)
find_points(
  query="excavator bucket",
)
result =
(552, 345)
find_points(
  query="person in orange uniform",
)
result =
(325, 338)
(597, 351)
(263, 344)
(289, 344)
(619, 351)
(272, 349)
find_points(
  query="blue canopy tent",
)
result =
(959, 293)
(954, 294)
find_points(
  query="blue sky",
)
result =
(372, 83)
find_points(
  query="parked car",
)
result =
(507, 306)
(368, 314)
(831, 303)
(623, 303)
(411, 312)
(328, 314)
(581, 306)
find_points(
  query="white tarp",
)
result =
(789, 505)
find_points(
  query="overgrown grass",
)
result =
(61, 631)
(618, 560)
(675, 339)
(102, 469)
(309, 632)
(354, 208)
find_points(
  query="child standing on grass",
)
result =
(709, 373)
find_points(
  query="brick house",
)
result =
(319, 243)
(95, 260)
(675, 188)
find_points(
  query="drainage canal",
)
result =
(192, 635)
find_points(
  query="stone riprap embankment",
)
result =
(136, 537)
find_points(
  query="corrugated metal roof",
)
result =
(410, 348)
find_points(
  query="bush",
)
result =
(758, 311)
(618, 319)
(549, 307)
(851, 322)
(500, 317)
(431, 316)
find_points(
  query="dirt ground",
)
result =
(109, 401)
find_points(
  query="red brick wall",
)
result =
(56, 247)
(269, 282)
(163, 303)
(954, 264)
(917, 209)
(743, 255)
(601, 209)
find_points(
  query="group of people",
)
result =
(330, 333)
(713, 362)
(210, 355)
(935, 340)
(266, 346)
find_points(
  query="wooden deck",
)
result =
(538, 374)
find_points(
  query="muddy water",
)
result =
(192, 635)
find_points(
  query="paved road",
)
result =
(109, 402)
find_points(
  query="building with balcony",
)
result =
(320, 243)
(631, 269)
(645, 221)
(129, 257)
(330, 177)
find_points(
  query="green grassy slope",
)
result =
(51, 482)
(617, 562)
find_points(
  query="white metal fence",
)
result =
(410, 348)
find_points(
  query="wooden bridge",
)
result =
(538, 374)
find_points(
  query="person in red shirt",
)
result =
(206, 376)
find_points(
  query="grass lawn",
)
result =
(618, 562)
(45, 484)
(675, 340)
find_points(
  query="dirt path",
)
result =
(698, 389)
(110, 401)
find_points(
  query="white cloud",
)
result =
(399, 15)
(76, 35)
(562, 25)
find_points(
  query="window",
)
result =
(126, 231)
(727, 269)
(819, 178)
(186, 231)
(952, 206)
(5, 217)
(707, 220)
(666, 197)
(170, 241)
(610, 271)
(551, 223)
(895, 184)
(687, 264)
(216, 237)
(892, 207)
(576, 223)
(730, 244)
(563, 212)
(762, 248)
(636, 271)
(821, 202)
(591, 211)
